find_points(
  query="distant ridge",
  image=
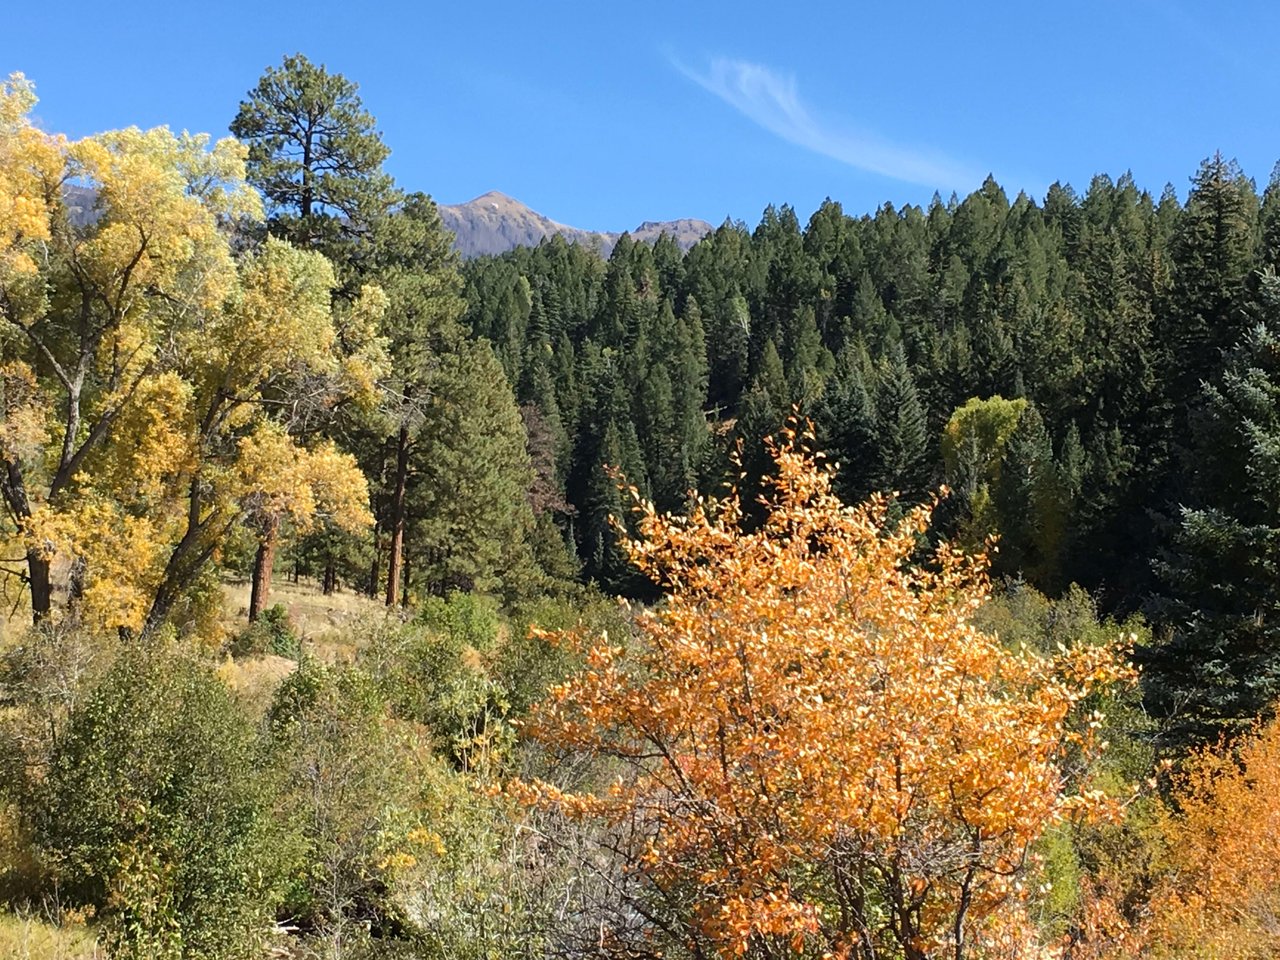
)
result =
(495, 223)
(491, 223)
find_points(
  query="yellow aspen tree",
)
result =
(92, 307)
(262, 363)
(149, 374)
(823, 756)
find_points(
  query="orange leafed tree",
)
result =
(823, 755)
(1215, 892)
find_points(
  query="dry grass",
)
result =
(323, 622)
(24, 938)
(253, 680)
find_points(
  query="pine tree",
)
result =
(315, 154)
(901, 428)
(1219, 668)
(771, 379)
(1270, 220)
(654, 415)
(1213, 251)
(716, 276)
(1031, 506)
(471, 475)
(689, 378)
(807, 362)
(845, 422)
(316, 157)
(409, 253)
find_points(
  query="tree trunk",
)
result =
(262, 565)
(395, 557)
(75, 589)
(41, 585)
(404, 592)
(14, 487)
(330, 576)
(375, 565)
(375, 571)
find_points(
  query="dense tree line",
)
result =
(1082, 372)
(1071, 368)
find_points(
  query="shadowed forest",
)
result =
(887, 585)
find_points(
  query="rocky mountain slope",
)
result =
(496, 223)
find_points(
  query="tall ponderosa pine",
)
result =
(315, 154)
(409, 254)
(316, 157)
(470, 516)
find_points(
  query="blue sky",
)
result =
(603, 115)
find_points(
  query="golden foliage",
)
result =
(279, 319)
(825, 752)
(151, 379)
(123, 551)
(153, 450)
(23, 429)
(31, 170)
(283, 479)
(1215, 894)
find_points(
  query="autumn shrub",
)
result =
(155, 814)
(1018, 614)
(1209, 865)
(824, 754)
(45, 672)
(407, 851)
(1076, 858)
(467, 619)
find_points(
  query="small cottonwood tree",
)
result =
(824, 756)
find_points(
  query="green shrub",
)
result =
(467, 619)
(155, 814)
(527, 666)
(437, 671)
(347, 778)
(272, 632)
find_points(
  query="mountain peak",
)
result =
(493, 196)
(495, 223)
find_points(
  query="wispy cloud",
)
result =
(772, 100)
